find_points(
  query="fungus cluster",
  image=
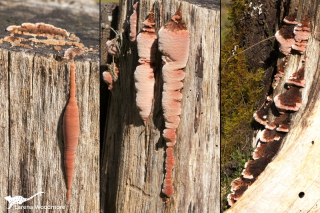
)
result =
(174, 46)
(293, 35)
(144, 73)
(133, 22)
(283, 104)
(54, 35)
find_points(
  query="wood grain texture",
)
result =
(32, 148)
(295, 169)
(133, 156)
(34, 93)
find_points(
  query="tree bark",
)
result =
(34, 90)
(290, 182)
(133, 155)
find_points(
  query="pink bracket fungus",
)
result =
(144, 73)
(290, 100)
(110, 76)
(301, 35)
(280, 124)
(112, 48)
(253, 168)
(297, 78)
(291, 19)
(285, 37)
(261, 115)
(270, 135)
(266, 150)
(133, 22)
(174, 46)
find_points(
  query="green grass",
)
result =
(240, 88)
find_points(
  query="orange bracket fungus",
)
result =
(144, 73)
(174, 46)
(133, 22)
(71, 125)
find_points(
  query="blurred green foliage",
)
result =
(107, 1)
(239, 92)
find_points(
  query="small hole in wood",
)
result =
(312, 142)
(301, 194)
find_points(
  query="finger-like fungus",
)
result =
(290, 100)
(174, 45)
(133, 22)
(144, 73)
(71, 131)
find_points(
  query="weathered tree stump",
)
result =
(34, 92)
(133, 155)
(290, 183)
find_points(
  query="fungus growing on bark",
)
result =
(291, 19)
(261, 115)
(174, 46)
(112, 48)
(302, 30)
(133, 22)
(270, 135)
(280, 124)
(290, 100)
(71, 131)
(54, 35)
(144, 73)
(253, 168)
(110, 76)
(297, 78)
(266, 150)
(285, 37)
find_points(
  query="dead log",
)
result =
(290, 182)
(133, 155)
(34, 92)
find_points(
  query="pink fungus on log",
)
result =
(297, 78)
(108, 79)
(302, 30)
(290, 100)
(253, 168)
(112, 48)
(280, 124)
(238, 187)
(261, 115)
(266, 150)
(291, 19)
(174, 46)
(269, 135)
(285, 37)
(133, 22)
(144, 73)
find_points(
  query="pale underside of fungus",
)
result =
(144, 73)
(133, 22)
(174, 46)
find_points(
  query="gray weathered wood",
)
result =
(34, 90)
(133, 155)
(295, 169)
